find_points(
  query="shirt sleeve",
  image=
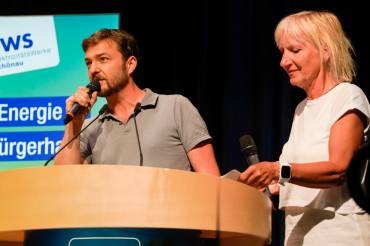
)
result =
(349, 99)
(85, 150)
(191, 127)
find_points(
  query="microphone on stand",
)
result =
(76, 108)
(137, 110)
(101, 111)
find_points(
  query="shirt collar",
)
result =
(149, 101)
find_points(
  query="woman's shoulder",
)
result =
(346, 87)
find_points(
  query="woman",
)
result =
(328, 127)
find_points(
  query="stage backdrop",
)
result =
(41, 64)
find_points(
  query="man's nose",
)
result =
(94, 69)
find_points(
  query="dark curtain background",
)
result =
(222, 56)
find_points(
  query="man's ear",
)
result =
(131, 64)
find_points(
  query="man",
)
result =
(170, 131)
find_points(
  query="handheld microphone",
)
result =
(92, 86)
(136, 112)
(249, 150)
(101, 111)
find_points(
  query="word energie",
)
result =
(40, 114)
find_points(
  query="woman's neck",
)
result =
(321, 85)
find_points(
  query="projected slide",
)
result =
(41, 64)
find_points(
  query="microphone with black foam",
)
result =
(249, 149)
(101, 111)
(250, 153)
(76, 108)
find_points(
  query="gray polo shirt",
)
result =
(168, 126)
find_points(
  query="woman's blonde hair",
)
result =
(322, 29)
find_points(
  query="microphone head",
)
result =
(93, 86)
(137, 108)
(247, 145)
(103, 109)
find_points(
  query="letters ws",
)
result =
(23, 40)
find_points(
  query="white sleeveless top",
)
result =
(309, 141)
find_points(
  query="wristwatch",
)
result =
(285, 172)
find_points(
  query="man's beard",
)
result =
(115, 88)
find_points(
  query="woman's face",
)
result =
(301, 61)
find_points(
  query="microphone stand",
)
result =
(101, 111)
(136, 111)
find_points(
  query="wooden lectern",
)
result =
(120, 196)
